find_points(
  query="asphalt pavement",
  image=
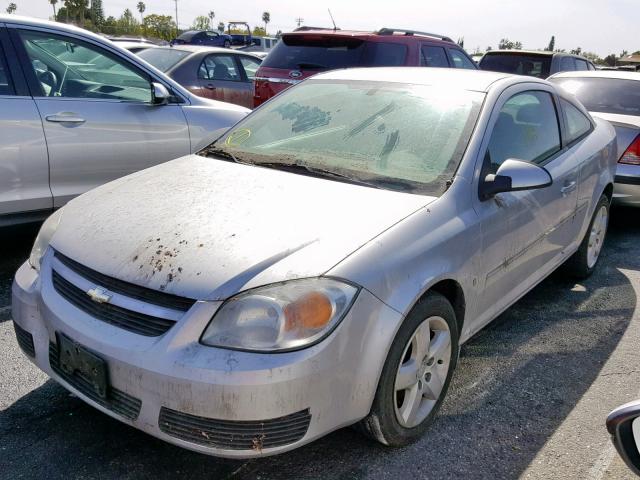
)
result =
(528, 400)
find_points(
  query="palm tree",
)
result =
(266, 18)
(211, 16)
(12, 8)
(53, 4)
(141, 8)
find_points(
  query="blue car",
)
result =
(203, 37)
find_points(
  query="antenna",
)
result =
(332, 20)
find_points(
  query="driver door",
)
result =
(99, 121)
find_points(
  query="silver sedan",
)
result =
(614, 96)
(321, 263)
(77, 110)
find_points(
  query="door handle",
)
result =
(65, 118)
(569, 187)
(210, 86)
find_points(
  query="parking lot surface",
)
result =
(529, 397)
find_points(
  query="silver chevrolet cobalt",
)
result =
(321, 263)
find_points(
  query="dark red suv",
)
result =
(307, 51)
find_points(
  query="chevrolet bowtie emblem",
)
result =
(99, 295)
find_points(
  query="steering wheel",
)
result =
(49, 78)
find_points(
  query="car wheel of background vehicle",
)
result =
(227, 44)
(416, 374)
(582, 263)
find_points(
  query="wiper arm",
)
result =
(221, 152)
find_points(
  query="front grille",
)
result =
(235, 435)
(25, 340)
(117, 401)
(135, 322)
(147, 295)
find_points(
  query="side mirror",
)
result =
(624, 426)
(159, 94)
(512, 176)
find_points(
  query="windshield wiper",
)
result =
(221, 152)
(318, 172)
(304, 65)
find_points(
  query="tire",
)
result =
(386, 423)
(582, 263)
(227, 44)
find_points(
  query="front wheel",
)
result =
(416, 374)
(582, 263)
(227, 44)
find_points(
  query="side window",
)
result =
(250, 66)
(581, 64)
(219, 67)
(567, 64)
(211, 35)
(526, 129)
(591, 66)
(460, 60)
(6, 88)
(577, 123)
(433, 57)
(66, 67)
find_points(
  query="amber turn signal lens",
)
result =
(313, 310)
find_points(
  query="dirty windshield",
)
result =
(393, 136)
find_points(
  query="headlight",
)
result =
(43, 239)
(278, 317)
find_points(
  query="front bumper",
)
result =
(189, 393)
(627, 185)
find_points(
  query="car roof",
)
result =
(206, 49)
(475, 80)
(383, 33)
(540, 53)
(617, 74)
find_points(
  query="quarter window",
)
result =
(567, 64)
(460, 60)
(219, 67)
(433, 57)
(526, 129)
(6, 88)
(250, 66)
(66, 67)
(581, 65)
(577, 123)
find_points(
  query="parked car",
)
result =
(235, 29)
(313, 268)
(623, 425)
(208, 38)
(77, 111)
(260, 45)
(136, 47)
(306, 52)
(535, 63)
(216, 73)
(614, 96)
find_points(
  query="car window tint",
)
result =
(433, 57)
(460, 60)
(520, 64)
(567, 64)
(607, 95)
(581, 64)
(6, 87)
(219, 67)
(250, 66)
(66, 67)
(526, 129)
(211, 34)
(163, 58)
(577, 123)
(384, 54)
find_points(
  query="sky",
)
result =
(600, 26)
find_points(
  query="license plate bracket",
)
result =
(77, 360)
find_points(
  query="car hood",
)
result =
(205, 228)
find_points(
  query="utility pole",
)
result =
(299, 20)
(177, 27)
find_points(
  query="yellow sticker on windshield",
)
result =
(238, 137)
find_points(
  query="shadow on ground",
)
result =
(515, 384)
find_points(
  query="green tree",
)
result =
(201, 22)
(221, 27)
(11, 8)
(624, 53)
(53, 4)
(141, 7)
(211, 16)
(259, 32)
(576, 51)
(552, 44)
(461, 42)
(97, 13)
(160, 26)
(127, 24)
(76, 10)
(506, 44)
(266, 18)
(610, 60)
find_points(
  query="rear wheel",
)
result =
(582, 263)
(416, 374)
